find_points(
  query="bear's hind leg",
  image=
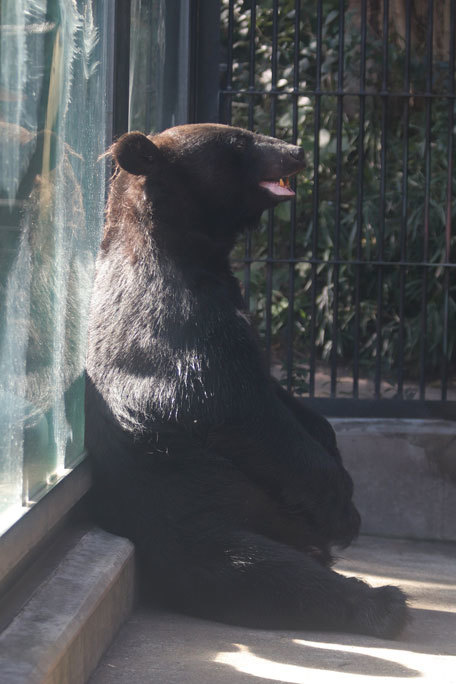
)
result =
(247, 579)
(213, 544)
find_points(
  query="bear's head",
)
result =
(199, 181)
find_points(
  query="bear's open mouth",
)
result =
(280, 189)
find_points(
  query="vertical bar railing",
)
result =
(292, 265)
(427, 195)
(392, 257)
(404, 204)
(449, 200)
(315, 200)
(360, 197)
(248, 236)
(336, 266)
(272, 131)
(252, 64)
(381, 233)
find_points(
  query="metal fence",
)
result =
(355, 289)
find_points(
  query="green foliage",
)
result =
(360, 238)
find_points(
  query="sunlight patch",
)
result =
(421, 667)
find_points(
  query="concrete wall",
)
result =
(404, 473)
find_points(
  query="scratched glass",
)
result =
(53, 127)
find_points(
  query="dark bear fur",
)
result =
(232, 491)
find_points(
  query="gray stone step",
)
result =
(63, 630)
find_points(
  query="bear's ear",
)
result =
(135, 153)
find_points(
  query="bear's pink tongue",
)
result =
(277, 189)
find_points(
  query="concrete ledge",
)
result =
(63, 630)
(25, 539)
(404, 473)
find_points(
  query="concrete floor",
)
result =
(172, 649)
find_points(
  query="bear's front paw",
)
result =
(382, 612)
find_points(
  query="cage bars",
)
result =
(360, 197)
(291, 265)
(449, 203)
(401, 95)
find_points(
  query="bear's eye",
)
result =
(239, 143)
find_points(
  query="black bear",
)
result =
(232, 491)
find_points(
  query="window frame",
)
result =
(32, 531)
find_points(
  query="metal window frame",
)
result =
(119, 64)
(204, 46)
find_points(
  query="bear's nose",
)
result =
(298, 153)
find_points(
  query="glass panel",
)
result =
(54, 126)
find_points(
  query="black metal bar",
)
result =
(251, 90)
(381, 235)
(272, 131)
(229, 66)
(248, 236)
(315, 201)
(359, 204)
(340, 111)
(446, 276)
(121, 70)
(275, 32)
(291, 267)
(404, 205)
(427, 197)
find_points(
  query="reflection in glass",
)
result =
(53, 127)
